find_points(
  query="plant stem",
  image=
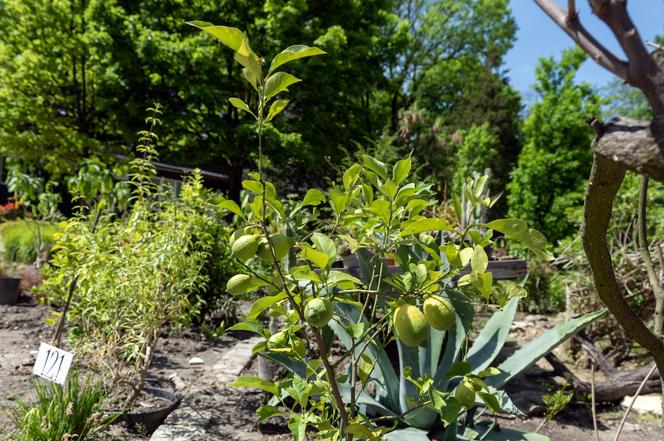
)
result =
(650, 268)
(331, 376)
(631, 403)
(592, 399)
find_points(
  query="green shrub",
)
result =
(478, 152)
(72, 412)
(132, 275)
(26, 240)
(210, 234)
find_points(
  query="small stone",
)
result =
(645, 404)
(196, 361)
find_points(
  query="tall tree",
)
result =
(445, 75)
(49, 108)
(553, 167)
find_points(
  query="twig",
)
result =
(631, 404)
(592, 399)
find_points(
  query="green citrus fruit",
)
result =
(410, 325)
(465, 393)
(235, 236)
(239, 284)
(245, 246)
(439, 312)
(278, 339)
(281, 245)
(318, 312)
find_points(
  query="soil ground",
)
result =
(230, 412)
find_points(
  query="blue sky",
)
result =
(539, 36)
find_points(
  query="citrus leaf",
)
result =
(294, 52)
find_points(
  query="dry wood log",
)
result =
(614, 388)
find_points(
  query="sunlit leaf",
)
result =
(294, 52)
(278, 82)
(275, 109)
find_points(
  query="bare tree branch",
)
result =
(570, 23)
(644, 71)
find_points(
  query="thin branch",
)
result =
(570, 23)
(644, 250)
(631, 404)
(592, 399)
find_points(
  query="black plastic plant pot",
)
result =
(148, 420)
(9, 290)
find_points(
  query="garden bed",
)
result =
(220, 412)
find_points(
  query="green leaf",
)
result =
(518, 230)
(325, 245)
(266, 412)
(303, 272)
(248, 325)
(278, 82)
(263, 303)
(340, 276)
(338, 201)
(229, 36)
(539, 347)
(231, 206)
(422, 224)
(255, 382)
(313, 197)
(238, 103)
(375, 166)
(275, 109)
(314, 256)
(359, 430)
(297, 426)
(294, 52)
(479, 261)
(351, 175)
(401, 170)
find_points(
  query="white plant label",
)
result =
(53, 363)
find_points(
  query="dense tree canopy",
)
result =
(76, 77)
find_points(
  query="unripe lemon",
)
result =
(281, 245)
(278, 339)
(439, 313)
(238, 284)
(465, 393)
(318, 312)
(235, 236)
(245, 247)
(410, 325)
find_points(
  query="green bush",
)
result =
(25, 240)
(478, 152)
(72, 412)
(210, 234)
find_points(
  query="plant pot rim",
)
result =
(152, 417)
